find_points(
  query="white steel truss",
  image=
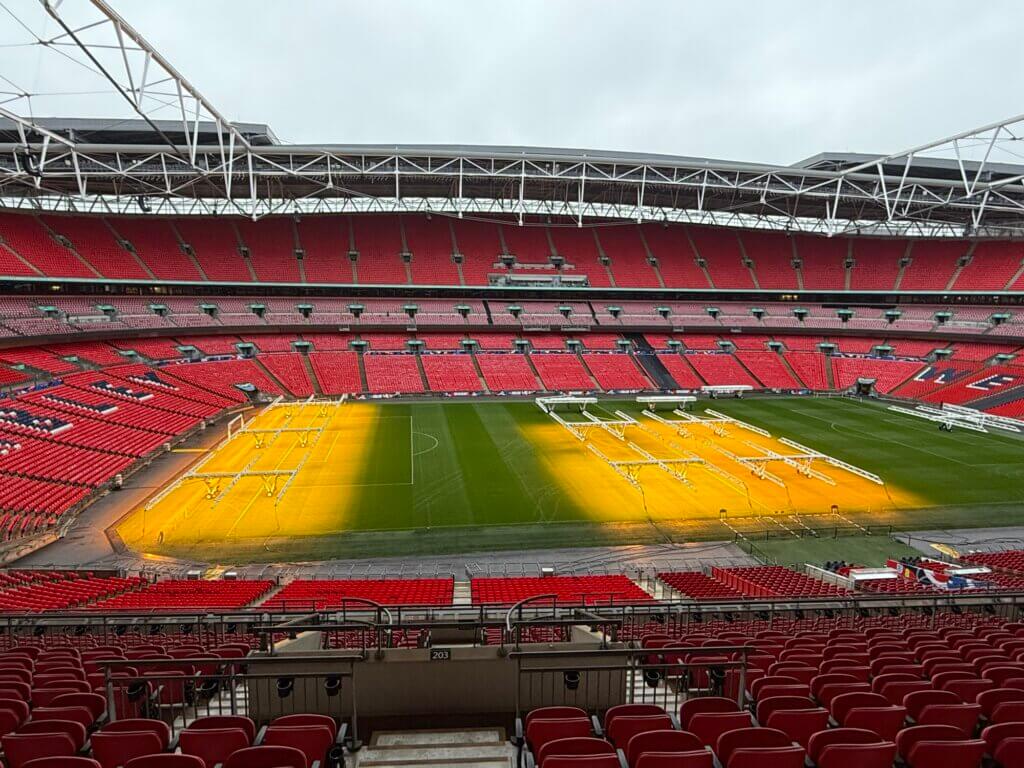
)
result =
(199, 162)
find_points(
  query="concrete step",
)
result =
(487, 736)
(467, 748)
(412, 754)
(462, 593)
(504, 762)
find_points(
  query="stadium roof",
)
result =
(202, 163)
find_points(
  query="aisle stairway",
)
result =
(471, 748)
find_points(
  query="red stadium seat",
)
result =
(62, 762)
(709, 726)
(573, 747)
(19, 749)
(625, 727)
(702, 704)
(166, 760)
(313, 741)
(267, 757)
(213, 745)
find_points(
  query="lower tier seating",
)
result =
(591, 590)
(325, 594)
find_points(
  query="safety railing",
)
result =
(180, 691)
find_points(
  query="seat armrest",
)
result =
(519, 737)
(342, 734)
(258, 741)
(622, 758)
(598, 731)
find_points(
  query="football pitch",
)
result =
(376, 479)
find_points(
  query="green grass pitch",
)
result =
(461, 476)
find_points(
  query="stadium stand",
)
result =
(271, 245)
(721, 368)
(450, 373)
(156, 246)
(95, 243)
(290, 370)
(888, 374)
(508, 372)
(392, 373)
(681, 371)
(214, 244)
(175, 595)
(579, 248)
(429, 242)
(932, 265)
(628, 257)
(588, 590)
(332, 593)
(559, 371)
(773, 581)
(337, 373)
(615, 371)
(324, 242)
(768, 368)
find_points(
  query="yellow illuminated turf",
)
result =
(315, 502)
(706, 492)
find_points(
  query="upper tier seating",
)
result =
(676, 261)
(430, 243)
(156, 245)
(379, 243)
(693, 257)
(325, 244)
(876, 264)
(25, 237)
(271, 244)
(214, 243)
(823, 262)
(932, 264)
(772, 256)
(992, 267)
(629, 265)
(720, 249)
(579, 249)
(479, 245)
(589, 590)
(326, 594)
(96, 244)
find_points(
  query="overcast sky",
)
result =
(761, 81)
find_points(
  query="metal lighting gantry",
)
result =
(177, 154)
